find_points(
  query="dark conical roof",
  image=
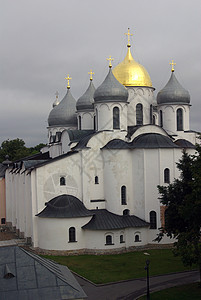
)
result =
(111, 90)
(63, 114)
(87, 99)
(173, 92)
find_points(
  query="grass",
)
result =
(112, 268)
(184, 292)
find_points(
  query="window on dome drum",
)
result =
(167, 175)
(116, 121)
(151, 114)
(154, 120)
(96, 180)
(123, 195)
(139, 114)
(161, 118)
(137, 238)
(62, 181)
(152, 219)
(94, 122)
(108, 240)
(126, 212)
(3, 221)
(72, 235)
(122, 239)
(79, 123)
(179, 119)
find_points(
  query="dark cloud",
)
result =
(42, 41)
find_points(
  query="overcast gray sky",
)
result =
(44, 40)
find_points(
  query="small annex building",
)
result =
(94, 187)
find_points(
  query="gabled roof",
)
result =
(105, 220)
(34, 277)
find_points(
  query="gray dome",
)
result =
(86, 101)
(173, 92)
(111, 90)
(63, 114)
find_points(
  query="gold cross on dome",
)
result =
(91, 73)
(68, 78)
(128, 34)
(110, 61)
(173, 64)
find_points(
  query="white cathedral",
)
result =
(94, 187)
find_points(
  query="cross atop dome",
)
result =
(173, 64)
(68, 78)
(110, 61)
(128, 34)
(91, 73)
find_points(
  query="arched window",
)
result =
(72, 234)
(122, 239)
(139, 114)
(108, 239)
(151, 114)
(79, 123)
(126, 212)
(137, 238)
(62, 181)
(96, 180)
(123, 195)
(96, 119)
(94, 122)
(3, 221)
(161, 118)
(166, 175)
(152, 219)
(154, 120)
(179, 119)
(116, 121)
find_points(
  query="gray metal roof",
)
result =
(86, 101)
(173, 92)
(111, 90)
(35, 278)
(76, 135)
(105, 220)
(184, 143)
(64, 113)
(82, 144)
(64, 206)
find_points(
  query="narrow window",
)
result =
(72, 235)
(3, 221)
(179, 119)
(96, 119)
(108, 239)
(123, 195)
(126, 212)
(139, 114)
(151, 114)
(116, 122)
(137, 238)
(152, 219)
(154, 120)
(79, 123)
(62, 181)
(166, 175)
(96, 180)
(94, 122)
(161, 118)
(122, 239)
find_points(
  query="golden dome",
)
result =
(131, 73)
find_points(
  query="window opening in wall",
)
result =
(152, 219)
(166, 175)
(151, 114)
(62, 181)
(126, 212)
(139, 114)
(123, 195)
(79, 123)
(108, 239)
(96, 180)
(122, 239)
(94, 122)
(154, 120)
(3, 221)
(161, 118)
(72, 234)
(137, 238)
(116, 121)
(96, 119)
(179, 119)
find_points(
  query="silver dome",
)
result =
(86, 101)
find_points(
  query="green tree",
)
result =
(182, 199)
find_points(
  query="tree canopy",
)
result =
(16, 149)
(182, 200)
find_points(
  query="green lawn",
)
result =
(184, 292)
(112, 268)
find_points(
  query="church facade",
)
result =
(94, 187)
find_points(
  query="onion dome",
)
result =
(63, 114)
(173, 92)
(131, 73)
(86, 101)
(111, 90)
